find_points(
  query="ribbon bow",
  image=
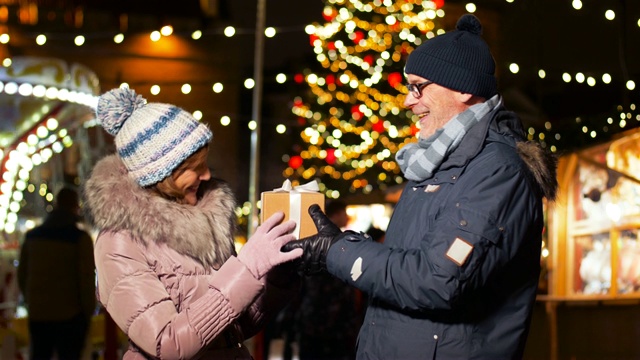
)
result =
(311, 186)
(295, 200)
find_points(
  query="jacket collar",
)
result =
(505, 127)
(204, 231)
(492, 127)
(501, 122)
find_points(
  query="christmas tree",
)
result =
(350, 109)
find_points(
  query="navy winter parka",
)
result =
(457, 275)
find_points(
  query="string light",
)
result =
(166, 30)
(155, 36)
(229, 31)
(357, 58)
(41, 39)
(79, 40)
(591, 81)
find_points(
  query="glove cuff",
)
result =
(350, 235)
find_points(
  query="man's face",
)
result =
(435, 107)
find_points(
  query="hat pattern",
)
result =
(152, 139)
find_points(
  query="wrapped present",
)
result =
(294, 201)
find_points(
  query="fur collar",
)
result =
(205, 231)
(542, 165)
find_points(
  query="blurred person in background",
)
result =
(376, 234)
(56, 276)
(327, 314)
(168, 272)
(336, 211)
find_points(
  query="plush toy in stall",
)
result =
(629, 265)
(595, 269)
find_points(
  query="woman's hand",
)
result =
(262, 251)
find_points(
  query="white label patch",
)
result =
(356, 269)
(459, 251)
(431, 188)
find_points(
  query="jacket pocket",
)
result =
(467, 235)
(392, 340)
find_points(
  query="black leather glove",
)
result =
(315, 247)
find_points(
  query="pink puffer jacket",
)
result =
(167, 273)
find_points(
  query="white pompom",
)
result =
(116, 106)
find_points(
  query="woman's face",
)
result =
(189, 180)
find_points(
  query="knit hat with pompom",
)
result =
(459, 60)
(152, 139)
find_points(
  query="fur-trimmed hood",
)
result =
(540, 161)
(205, 231)
(542, 165)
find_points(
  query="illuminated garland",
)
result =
(34, 149)
(57, 90)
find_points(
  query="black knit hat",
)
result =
(459, 60)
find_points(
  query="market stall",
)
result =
(592, 270)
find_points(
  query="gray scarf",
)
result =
(419, 160)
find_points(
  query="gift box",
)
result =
(295, 203)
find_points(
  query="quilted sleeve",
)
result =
(141, 306)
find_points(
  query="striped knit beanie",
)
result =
(459, 60)
(152, 139)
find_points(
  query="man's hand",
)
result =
(315, 247)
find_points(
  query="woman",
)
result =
(167, 270)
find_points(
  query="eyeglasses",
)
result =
(416, 89)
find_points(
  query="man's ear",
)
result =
(463, 97)
(469, 99)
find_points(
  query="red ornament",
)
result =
(301, 121)
(368, 59)
(298, 78)
(295, 161)
(312, 39)
(414, 129)
(438, 3)
(330, 79)
(358, 35)
(331, 156)
(331, 45)
(329, 13)
(356, 113)
(394, 79)
(378, 127)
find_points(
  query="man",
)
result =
(456, 277)
(56, 275)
